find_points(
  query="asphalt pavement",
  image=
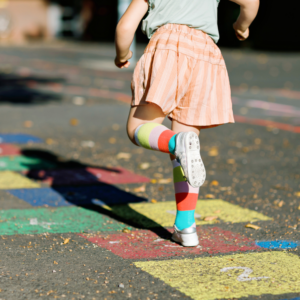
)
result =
(85, 214)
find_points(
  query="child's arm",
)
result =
(249, 9)
(126, 29)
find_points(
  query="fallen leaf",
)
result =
(144, 166)
(213, 151)
(280, 204)
(116, 127)
(164, 181)
(257, 141)
(28, 124)
(87, 144)
(158, 175)
(49, 141)
(230, 161)
(297, 194)
(299, 207)
(153, 181)
(74, 122)
(214, 183)
(112, 140)
(210, 218)
(123, 155)
(66, 241)
(154, 201)
(140, 189)
(55, 262)
(252, 226)
(126, 230)
(209, 196)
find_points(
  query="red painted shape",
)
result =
(86, 176)
(266, 123)
(186, 201)
(7, 149)
(146, 244)
(163, 140)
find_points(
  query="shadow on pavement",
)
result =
(84, 189)
(16, 89)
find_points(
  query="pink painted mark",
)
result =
(275, 107)
(146, 244)
(86, 176)
(266, 123)
(7, 149)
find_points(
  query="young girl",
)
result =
(182, 75)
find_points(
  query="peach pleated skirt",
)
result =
(183, 71)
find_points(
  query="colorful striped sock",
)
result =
(186, 198)
(156, 137)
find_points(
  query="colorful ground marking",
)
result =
(147, 244)
(86, 176)
(21, 163)
(66, 196)
(59, 220)
(280, 244)
(12, 180)
(6, 149)
(18, 138)
(163, 213)
(229, 276)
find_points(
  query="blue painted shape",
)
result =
(18, 138)
(82, 196)
(297, 298)
(280, 244)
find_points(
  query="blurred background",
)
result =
(275, 28)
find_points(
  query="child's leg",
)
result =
(186, 198)
(144, 129)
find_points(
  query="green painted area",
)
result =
(22, 163)
(59, 220)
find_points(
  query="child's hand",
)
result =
(240, 34)
(123, 62)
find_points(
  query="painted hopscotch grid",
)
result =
(229, 276)
(12, 180)
(22, 163)
(18, 138)
(148, 215)
(86, 176)
(7, 149)
(146, 244)
(60, 220)
(82, 195)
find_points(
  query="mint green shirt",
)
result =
(198, 14)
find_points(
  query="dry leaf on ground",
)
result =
(66, 241)
(112, 140)
(74, 122)
(213, 151)
(140, 189)
(210, 218)
(154, 201)
(252, 226)
(280, 204)
(209, 196)
(297, 194)
(123, 155)
(164, 181)
(214, 183)
(230, 161)
(28, 124)
(144, 166)
(126, 230)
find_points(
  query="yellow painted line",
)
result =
(233, 276)
(12, 180)
(163, 212)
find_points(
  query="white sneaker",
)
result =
(187, 237)
(187, 153)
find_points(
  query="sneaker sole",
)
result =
(195, 167)
(186, 240)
